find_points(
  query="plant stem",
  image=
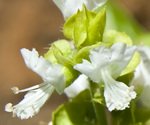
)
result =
(132, 109)
(99, 109)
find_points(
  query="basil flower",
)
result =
(141, 79)
(70, 7)
(53, 79)
(105, 65)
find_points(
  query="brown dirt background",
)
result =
(36, 23)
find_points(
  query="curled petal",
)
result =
(117, 94)
(32, 102)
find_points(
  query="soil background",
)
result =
(35, 24)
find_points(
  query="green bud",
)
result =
(85, 27)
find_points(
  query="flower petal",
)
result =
(117, 94)
(50, 73)
(114, 59)
(79, 85)
(31, 103)
(34, 62)
(121, 56)
(107, 64)
(89, 70)
(141, 79)
(70, 7)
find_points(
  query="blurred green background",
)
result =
(36, 23)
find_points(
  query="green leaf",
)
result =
(79, 111)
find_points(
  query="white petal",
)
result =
(50, 73)
(121, 56)
(54, 75)
(113, 59)
(89, 70)
(141, 79)
(70, 7)
(79, 85)
(117, 94)
(31, 103)
(145, 97)
(145, 63)
(34, 62)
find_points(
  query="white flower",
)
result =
(50, 73)
(141, 79)
(37, 95)
(79, 85)
(32, 101)
(105, 66)
(69, 7)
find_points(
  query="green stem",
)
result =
(99, 109)
(132, 109)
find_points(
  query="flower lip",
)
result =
(117, 94)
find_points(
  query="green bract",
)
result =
(132, 65)
(61, 52)
(85, 27)
(60, 47)
(112, 36)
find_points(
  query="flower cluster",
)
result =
(93, 66)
